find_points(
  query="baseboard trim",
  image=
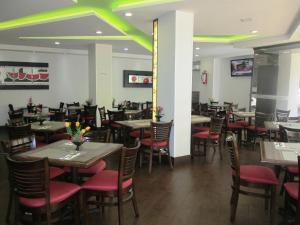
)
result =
(181, 160)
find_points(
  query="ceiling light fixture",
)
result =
(254, 31)
(98, 32)
(126, 49)
(57, 43)
(197, 48)
(128, 14)
(197, 55)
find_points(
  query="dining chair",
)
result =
(234, 127)
(16, 118)
(258, 130)
(157, 144)
(292, 198)
(211, 137)
(100, 135)
(59, 116)
(89, 116)
(35, 194)
(293, 136)
(115, 187)
(116, 129)
(134, 106)
(148, 105)
(103, 119)
(61, 106)
(282, 115)
(250, 180)
(73, 114)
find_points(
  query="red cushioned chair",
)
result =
(158, 144)
(292, 199)
(248, 179)
(233, 127)
(116, 129)
(34, 193)
(117, 186)
(258, 130)
(103, 119)
(211, 137)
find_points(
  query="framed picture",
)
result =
(24, 75)
(137, 79)
(241, 67)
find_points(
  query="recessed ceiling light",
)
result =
(254, 31)
(128, 14)
(57, 43)
(126, 49)
(197, 48)
(98, 32)
(197, 55)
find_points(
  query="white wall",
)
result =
(68, 79)
(206, 90)
(129, 62)
(232, 89)
(294, 98)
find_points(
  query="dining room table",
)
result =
(274, 126)
(47, 128)
(63, 153)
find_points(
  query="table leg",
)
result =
(142, 133)
(74, 171)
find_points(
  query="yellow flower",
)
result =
(87, 128)
(83, 131)
(67, 124)
(77, 124)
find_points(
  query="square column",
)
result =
(174, 90)
(100, 76)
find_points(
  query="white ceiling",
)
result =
(212, 17)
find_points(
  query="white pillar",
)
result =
(175, 60)
(100, 76)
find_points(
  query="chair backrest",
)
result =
(160, 131)
(135, 116)
(127, 163)
(282, 115)
(16, 118)
(228, 106)
(134, 106)
(148, 104)
(31, 108)
(11, 108)
(90, 110)
(61, 106)
(214, 102)
(260, 118)
(116, 115)
(203, 107)
(29, 179)
(147, 113)
(53, 110)
(216, 125)
(289, 134)
(233, 150)
(59, 116)
(76, 103)
(100, 135)
(102, 113)
(20, 139)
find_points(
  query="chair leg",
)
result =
(192, 148)
(9, 208)
(285, 178)
(48, 215)
(267, 191)
(17, 211)
(85, 208)
(141, 158)
(159, 158)
(120, 207)
(273, 205)
(220, 149)
(234, 203)
(150, 161)
(76, 209)
(170, 159)
(134, 203)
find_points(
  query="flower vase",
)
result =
(158, 117)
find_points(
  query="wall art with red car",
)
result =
(24, 75)
(138, 79)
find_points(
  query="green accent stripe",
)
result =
(108, 38)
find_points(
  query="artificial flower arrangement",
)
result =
(159, 114)
(77, 134)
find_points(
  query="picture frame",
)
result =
(137, 79)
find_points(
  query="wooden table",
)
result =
(47, 128)
(63, 153)
(75, 108)
(279, 153)
(244, 114)
(274, 126)
(34, 116)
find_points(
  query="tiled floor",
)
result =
(194, 193)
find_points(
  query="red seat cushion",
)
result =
(59, 191)
(259, 129)
(55, 172)
(94, 169)
(242, 123)
(116, 126)
(206, 135)
(292, 189)
(200, 129)
(106, 180)
(104, 122)
(293, 169)
(155, 144)
(59, 136)
(258, 174)
(136, 134)
(40, 144)
(234, 126)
